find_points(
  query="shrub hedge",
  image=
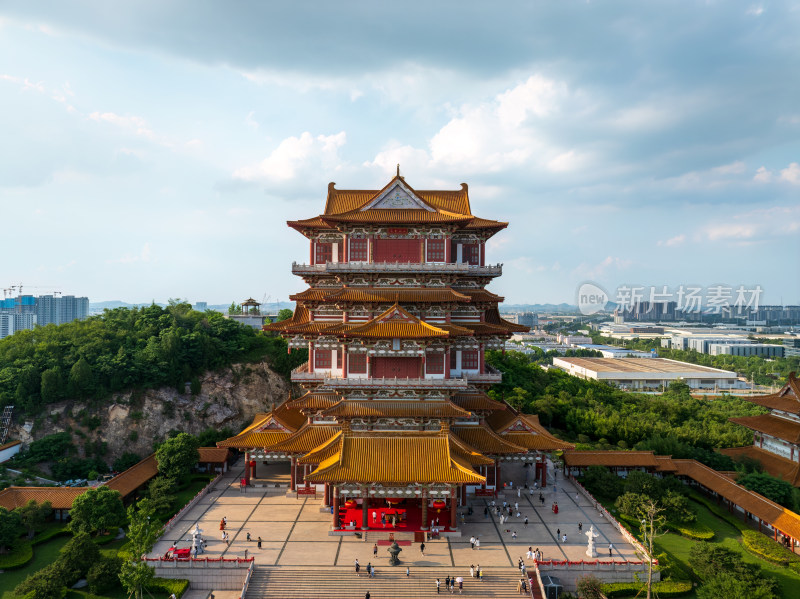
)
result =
(764, 547)
(693, 530)
(50, 533)
(719, 512)
(169, 585)
(21, 553)
(632, 589)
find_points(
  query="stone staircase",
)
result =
(341, 582)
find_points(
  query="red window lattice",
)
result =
(435, 250)
(471, 254)
(469, 359)
(324, 253)
(359, 250)
(434, 363)
(453, 356)
(322, 358)
(357, 363)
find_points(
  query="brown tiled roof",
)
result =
(400, 216)
(493, 317)
(771, 425)
(665, 464)
(299, 316)
(60, 498)
(134, 477)
(395, 460)
(213, 455)
(501, 420)
(784, 520)
(620, 459)
(543, 442)
(786, 400)
(9, 444)
(396, 409)
(485, 440)
(775, 465)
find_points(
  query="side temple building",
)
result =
(397, 321)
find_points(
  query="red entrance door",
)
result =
(397, 250)
(399, 368)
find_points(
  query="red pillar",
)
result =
(311, 356)
(335, 517)
(311, 252)
(253, 462)
(447, 363)
(543, 483)
(364, 508)
(463, 495)
(247, 467)
(453, 508)
(483, 253)
(481, 358)
(424, 498)
(293, 475)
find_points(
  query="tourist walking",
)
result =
(564, 539)
(472, 542)
(422, 549)
(477, 543)
(408, 571)
(371, 570)
(248, 536)
(460, 582)
(472, 571)
(367, 595)
(610, 549)
(529, 555)
(480, 573)
(558, 533)
(447, 583)
(526, 522)
(514, 535)
(259, 542)
(437, 586)
(375, 550)
(580, 526)
(358, 568)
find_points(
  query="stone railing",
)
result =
(223, 574)
(483, 377)
(194, 501)
(491, 270)
(604, 513)
(384, 383)
(247, 580)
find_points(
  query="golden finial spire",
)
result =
(398, 169)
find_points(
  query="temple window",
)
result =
(357, 363)
(359, 250)
(434, 363)
(322, 359)
(469, 359)
(435, 250)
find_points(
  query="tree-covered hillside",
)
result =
(128, 348)
(597, 414)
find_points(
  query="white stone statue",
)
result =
(590, 550)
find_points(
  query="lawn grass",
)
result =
(43, 555)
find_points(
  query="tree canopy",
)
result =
(97, 511)
(127, 348)
(176, 456)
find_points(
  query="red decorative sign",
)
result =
(309, 491)
(397, 231)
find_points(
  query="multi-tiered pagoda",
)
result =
(397, 321)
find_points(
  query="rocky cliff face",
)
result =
(133, 421)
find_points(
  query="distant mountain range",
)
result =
(538, 308)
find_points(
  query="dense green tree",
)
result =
(725, 575)
(52, 385)
(48, 583)
(177, 456)
(80, 379)
(161, 491)
(97, 511)
(590, 587)
(9, 528)
(126, 460)
(284, 314)
(210, 436)
(78, 555)
(104, 574)
(143, 531)
(770, 487)
(33, 515)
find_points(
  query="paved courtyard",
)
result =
(294, 532)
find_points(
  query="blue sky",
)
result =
(155, 149)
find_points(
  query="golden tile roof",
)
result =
(255, 440)
(485, 440)
(771, 425)
(291, 418)
(60, 498)
(350, 408)
(395, 460)
(787, 399)
(501, 420)
(776, 465)
(299, 316)
(348, 206)
(477, 402)
(311, 401)
(538, 441)
(347, 200)
(459, 447)
(396, 323)
(304, 440)
(322, 452)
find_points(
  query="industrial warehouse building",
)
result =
(652, 373)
